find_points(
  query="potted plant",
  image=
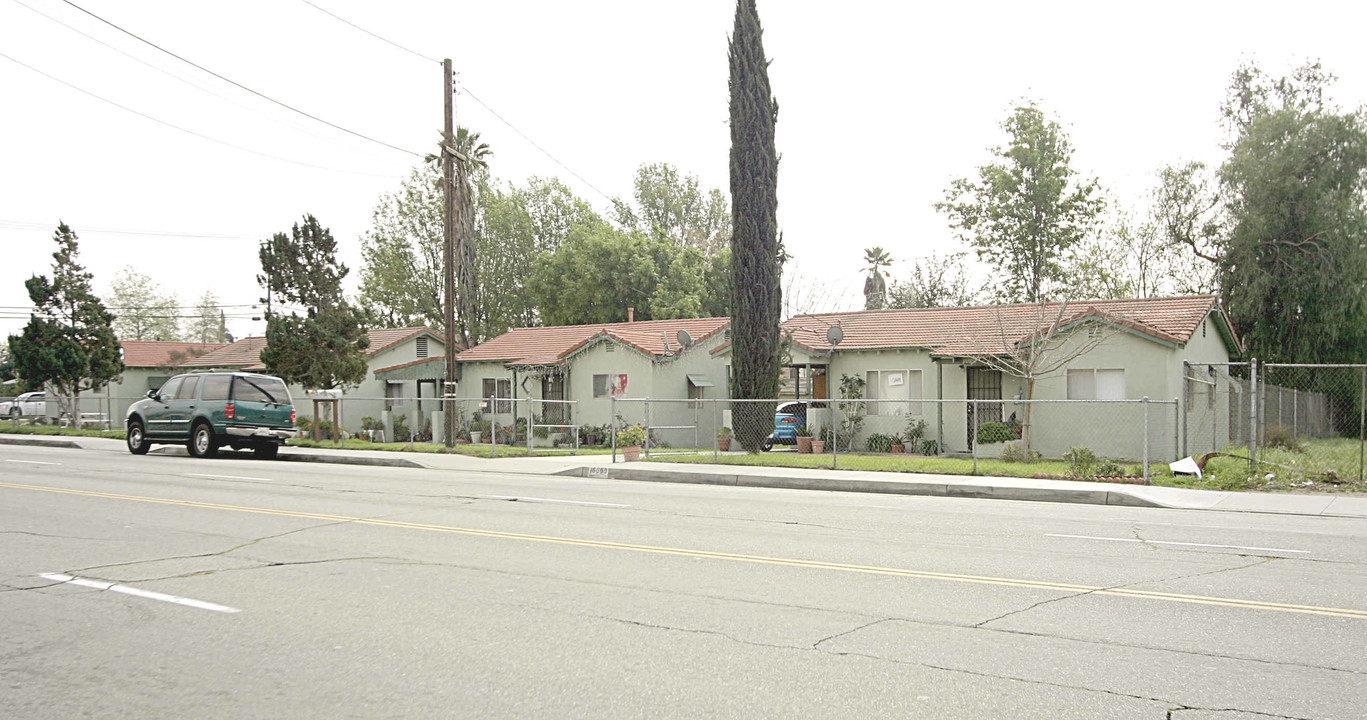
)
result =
(724, 436)
(819, 441)
(629, 441)
(895, 444)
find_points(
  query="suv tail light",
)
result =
(788, 420)
(229, 411)
(292, 416)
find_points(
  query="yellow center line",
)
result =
(736, 557)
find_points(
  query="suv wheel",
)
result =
(137, 439)
(15, 414)
(202, 443)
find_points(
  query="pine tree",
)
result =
(69, 340)
(756, 250)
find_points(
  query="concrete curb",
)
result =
(39, 442)
(319, 458)
(1084, 496)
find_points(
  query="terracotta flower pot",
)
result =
(723, 444)
(631, 453)
(804, 444)
(818, 447)
(898, 449)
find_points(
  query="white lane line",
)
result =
(229, 477)
(147, 594)
(518, 498)
(30, 462)
(1165, 542)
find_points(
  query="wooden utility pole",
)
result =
(448, 174)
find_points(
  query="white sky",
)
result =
(881, 105)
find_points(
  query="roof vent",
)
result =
(422, 347)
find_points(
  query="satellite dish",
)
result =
(834, 335)
(685, 340)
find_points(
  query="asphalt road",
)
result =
(171, 587)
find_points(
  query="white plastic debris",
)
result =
(1185, 466)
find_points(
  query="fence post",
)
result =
(531, 418)
(716, 420)
(1177, 430)
(1182, 407)
(612, 426)
(1362, 421)
(835, 436)
(973, 435)
(647, 442)
(1253, 416)
(493, 428)
(1146, 439)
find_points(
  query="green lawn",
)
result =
(8, 427)
(483, 450)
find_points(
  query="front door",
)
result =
(983, 384)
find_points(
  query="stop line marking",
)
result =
(228, 477)
(1187, 544)
(135, 592)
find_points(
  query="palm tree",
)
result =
(470, 160)
(875, 288)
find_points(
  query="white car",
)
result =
(27, 405)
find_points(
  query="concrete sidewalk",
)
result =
(1001, 488)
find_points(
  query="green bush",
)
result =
(916, 429)
(995, 432)
(1278, 436)
(402, 433)
(1081, 461)
(632, 435)
(879, 443)
(930, 447)
(1016, 453)
(724, 433)
(1111, 468)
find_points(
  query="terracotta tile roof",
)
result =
(551, 345)
(244, 354)
(145, 354)
(991, 329)
(410, 364)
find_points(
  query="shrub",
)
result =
(1016, 453)
(879, 443)
(930, 447)
(995, 432)
(402, 433)
(593, 435)
(305, 423)
(916, 429)
(1081, 461)
(1111, 468)
(1278, 436)
(631, 435)
(325, 429)
(370, 423)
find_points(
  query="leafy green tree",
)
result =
(595, 277)
(208, 325)
(401, 254)
(673, 208)
(1025, 212)
(142, 309)
(756, 250)
(935, 281)
(875, 287)
(324, 347)
(1294, 265)
(69, 341)
(717, 285)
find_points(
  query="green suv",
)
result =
(209, 410)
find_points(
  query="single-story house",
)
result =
(405, 371)
(1082, 350)
(591, 364)
(147, 364)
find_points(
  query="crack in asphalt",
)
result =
(54, 537)
(1172, 714)
(817, 645)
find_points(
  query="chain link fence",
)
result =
(1112, 437)
(1311, 422)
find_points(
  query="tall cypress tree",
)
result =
(755, 248)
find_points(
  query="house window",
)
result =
(697, 389)
(890, 386)
(605, 385)
(393, 394)
(421, 347)
(498, 393)
(1100, 384)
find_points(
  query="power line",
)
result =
(471, 94)
(181, 129)
(377, 37)
(172, 75)
(240, 85)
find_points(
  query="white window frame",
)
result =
(1087, 386)
(912, 380)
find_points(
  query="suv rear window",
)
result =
(260, 389)
(216, 387)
